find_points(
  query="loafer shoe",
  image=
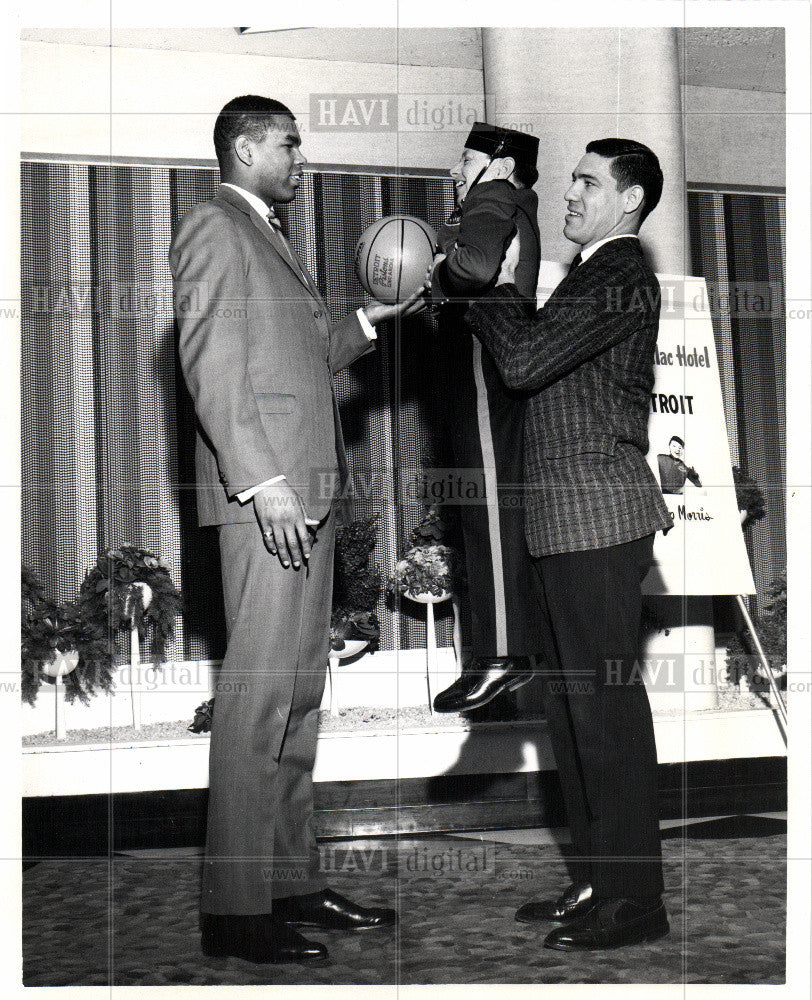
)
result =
(576, 901)
(256, 937)
(330, 910)
(611, 923)
(455, 693)
(483, 681)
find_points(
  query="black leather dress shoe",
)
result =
(256, 937)
(576, 901)
(611, 923)
(482, 681)
(331, 911)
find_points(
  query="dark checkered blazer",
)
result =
(587, 357)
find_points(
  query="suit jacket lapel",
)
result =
(264, 228)
(274, 239)
(583, 279)
(577, 273)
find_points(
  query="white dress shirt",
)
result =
(586, 254)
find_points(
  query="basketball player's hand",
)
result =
(507, 273)
(282, 521)
(377, 312)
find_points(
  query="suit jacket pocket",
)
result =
(601, 444)
(275, 402)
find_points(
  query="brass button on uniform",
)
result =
(317, 314)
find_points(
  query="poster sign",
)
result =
(704, 552)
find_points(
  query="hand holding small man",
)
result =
(507, 272)
(438, 259)
(283, 523)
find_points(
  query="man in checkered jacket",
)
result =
(592, 509)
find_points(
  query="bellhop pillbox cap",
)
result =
(496, 142)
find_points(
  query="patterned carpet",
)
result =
(133, 920)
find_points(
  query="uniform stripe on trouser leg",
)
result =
(491, 492)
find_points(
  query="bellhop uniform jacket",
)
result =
(588, 358)
(258, 351)
(492, 213)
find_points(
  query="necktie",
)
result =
(276, 225)
(576, 260)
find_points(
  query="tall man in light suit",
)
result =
(258, 358)
(592, 508)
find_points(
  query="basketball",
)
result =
(393, 255)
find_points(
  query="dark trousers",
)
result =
(486, 436)
(599, 716)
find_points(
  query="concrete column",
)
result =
(569, 86)
(572, 85)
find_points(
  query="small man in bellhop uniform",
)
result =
(493, 184)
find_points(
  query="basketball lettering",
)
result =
(393, 255)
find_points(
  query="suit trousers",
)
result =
(487, 426)
(599, 716)
(260, 843)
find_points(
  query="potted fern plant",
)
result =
(57, 646)
(130, 590)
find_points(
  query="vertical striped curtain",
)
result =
(108, 427)
(738, 246)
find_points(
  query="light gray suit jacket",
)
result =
(258, 351)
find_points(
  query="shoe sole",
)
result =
(549, 919)
(643, 939)
(322, 927)
(211, 952)
(517, 682)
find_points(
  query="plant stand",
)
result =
(431, 637)
(139, 591)
(135, 682)
(59, 665)
(776, 698)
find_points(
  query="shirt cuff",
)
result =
(366, 326)
(252, 491)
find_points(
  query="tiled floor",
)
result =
(132, 920)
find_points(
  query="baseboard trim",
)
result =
(98, 825)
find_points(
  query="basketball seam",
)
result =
(400, 258)
(371, 247)
(428, 238)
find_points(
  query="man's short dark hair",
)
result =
(247, 115)
(632, 163)
(678, 440)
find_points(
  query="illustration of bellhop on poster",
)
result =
(704, 552)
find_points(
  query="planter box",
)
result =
(385, 754)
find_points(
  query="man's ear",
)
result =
(243, 149)
(504, 167)
(633, 198)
